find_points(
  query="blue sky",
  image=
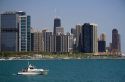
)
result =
(108, 14)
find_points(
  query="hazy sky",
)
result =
(108, 14)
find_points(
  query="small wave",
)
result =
(14, 74)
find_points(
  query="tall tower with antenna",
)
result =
(57, 23)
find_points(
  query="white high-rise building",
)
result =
(95, 37)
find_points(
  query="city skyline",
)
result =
(107, 14)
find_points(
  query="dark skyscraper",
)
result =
(89, 38)
(15, 31)
(86, 38)
(102, 43)
(73, 31)
(116, 47)
(9, 31)
(101, 46)
(57, 23)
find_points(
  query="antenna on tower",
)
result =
(55, 12)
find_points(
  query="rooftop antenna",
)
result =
(55, 13)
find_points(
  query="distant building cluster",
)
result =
(17, 35)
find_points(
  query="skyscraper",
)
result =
(73, 31)
(59, 30)
(103, 37)
(58, 43)
(70, 44)
(95, 38)
(78, 37)
(24, 33)
(9, 31)
(102, 43)
(116, 44)
(89, 38)
(15, 31)
(46, 40)
(57, 23)
(37, 41)
(63, 43)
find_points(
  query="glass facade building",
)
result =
(24, 33)
(87, 38)
(15, 31)
(57, 23)
(9, 31)
(102, 43)
(101, 46)
(89, 43)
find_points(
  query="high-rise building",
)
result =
(15, 31)
(78, 37)
(63, 43)
(55, 43)
(58, 43)
(59, 30)
(103, 37)
(57, 23)
(70, 44)
(89, 38)
(110, 48)
(9, 31)
(87, 45)
(24, 33)
(73, 31)
(102, 43)
(37, 41)
(52, 43)
(46, 40)
(116, 44)
(95, 38)
(32, 41)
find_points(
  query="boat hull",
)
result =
(34, 73)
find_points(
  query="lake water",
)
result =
(85, 70)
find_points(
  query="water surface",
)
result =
(86, 70)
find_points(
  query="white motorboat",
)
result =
(31, 70)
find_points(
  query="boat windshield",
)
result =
(31, 67)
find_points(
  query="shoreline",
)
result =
(58, 58)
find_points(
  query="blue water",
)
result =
(87, 70)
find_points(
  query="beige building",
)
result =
(63, 43)
(37, 41)
(95, 38)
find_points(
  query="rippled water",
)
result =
(86, 70)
